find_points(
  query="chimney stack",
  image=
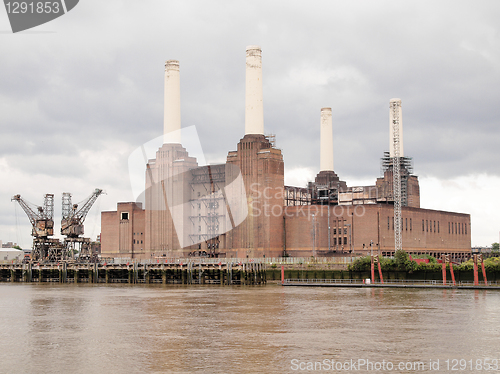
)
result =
(396, 102)
(172, 108)
(254, 111)
(326, 159)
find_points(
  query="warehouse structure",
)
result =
(243, 209)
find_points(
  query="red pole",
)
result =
(373, 272)
(484, 274)
(380, 273)
(452, 275)
(476, 280)
(282, 274)
(444, 273)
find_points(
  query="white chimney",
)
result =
(172, 108)
(326, 159)
(254, 111)
(396, 102)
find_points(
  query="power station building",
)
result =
(243, 209)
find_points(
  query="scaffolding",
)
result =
(405, 171)
(396, 174)
(295, 196)
(210, 207)
(272, 139)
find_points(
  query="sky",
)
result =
(79, 94)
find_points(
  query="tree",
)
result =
(495, 247)
(18, 247)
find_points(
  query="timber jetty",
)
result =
(223, 273)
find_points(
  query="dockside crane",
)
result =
(45, 248)
(72, 227)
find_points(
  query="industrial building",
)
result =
(243, 209)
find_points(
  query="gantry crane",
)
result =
(72, 224)
(45, 248)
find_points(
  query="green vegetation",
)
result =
(18, 247)
(401, 262)
(495, 247)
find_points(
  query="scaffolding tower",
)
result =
(396, 174)
(210, 206)
(405, 170)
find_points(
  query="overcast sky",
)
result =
(80, 93)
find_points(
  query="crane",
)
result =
(41, 218)
(42, 222)
(72, 224)
(72, 217)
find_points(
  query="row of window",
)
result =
(137, 241)
(340, 240)
(340, 231)
(429, 226)
(404, 224)
(457, 228)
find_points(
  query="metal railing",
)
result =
(261, 260)
(431, 282)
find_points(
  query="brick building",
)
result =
(243, 209)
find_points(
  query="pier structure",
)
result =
(223, 273)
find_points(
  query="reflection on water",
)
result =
(153, 329)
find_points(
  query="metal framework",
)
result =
(72, 226)
(405, 170)
(47, 249)
(41, 218)
(297, 196)
(212, 178)
(396, 174)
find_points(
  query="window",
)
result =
(388, 223)
(392, 223)
(335, 231)
(345, 231)
(466, 229)
(124, 216)
(410, 224)
(345, 239)
(334, 241)
(406, 220)
(449, 228)
(456, 226)
(426, 225)
(423, 225)
(134, 241)
(434, 226)
(438, 227)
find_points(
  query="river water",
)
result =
(267, 329)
